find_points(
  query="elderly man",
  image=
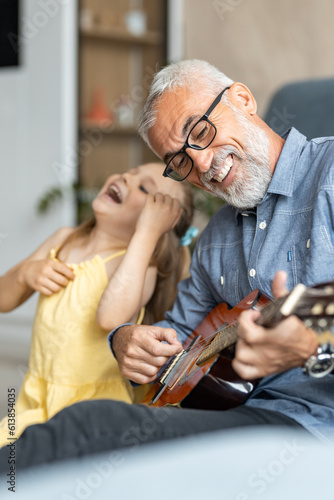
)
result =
(279, 216)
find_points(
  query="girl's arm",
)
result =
(35, 273)
(133, 282)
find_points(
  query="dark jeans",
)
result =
(96, 426)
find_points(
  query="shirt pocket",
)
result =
(320, 259)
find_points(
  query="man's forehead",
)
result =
(178, 96)
(174, 113)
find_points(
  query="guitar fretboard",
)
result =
(226, 336)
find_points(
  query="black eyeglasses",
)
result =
(200, 137)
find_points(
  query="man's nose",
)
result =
(202, 158)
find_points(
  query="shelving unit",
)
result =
(89, 126)
(121, 35)
(115, 62)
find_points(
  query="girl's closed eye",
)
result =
(143, 189)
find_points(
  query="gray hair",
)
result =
(188, 73)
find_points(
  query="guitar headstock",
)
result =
(313, 305)
(315, 302)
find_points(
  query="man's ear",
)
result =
(242, 98)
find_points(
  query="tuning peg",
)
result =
(330, 309)
(322, 323)
(317, 309)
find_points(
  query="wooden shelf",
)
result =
(121, 35)
(115, 62)
(107, 129)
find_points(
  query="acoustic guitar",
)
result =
(201, 375)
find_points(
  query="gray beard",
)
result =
(251, 184)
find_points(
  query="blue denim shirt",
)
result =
(291, 229)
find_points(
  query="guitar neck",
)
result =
(227, 336)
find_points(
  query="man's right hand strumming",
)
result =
(142, 350)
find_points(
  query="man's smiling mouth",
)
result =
(220, 173)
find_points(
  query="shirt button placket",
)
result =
(262, 226)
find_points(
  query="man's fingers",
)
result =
(247, 329)
(142, 351)
(138, 377)
(136, 357)
(246, 371)
(167, 335)
(245, 353)
(278, 285)
(142, 367)
(141, 372)
(159, 349)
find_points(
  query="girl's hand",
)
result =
(159, 215)
(47, 276)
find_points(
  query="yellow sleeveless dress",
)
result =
(69, 359)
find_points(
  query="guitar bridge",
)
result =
(166, 377)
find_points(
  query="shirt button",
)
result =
(252, 273)
(263, 225)
(222, 280)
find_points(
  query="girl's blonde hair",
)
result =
(170, 257)
(172, 261)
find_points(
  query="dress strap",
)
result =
(141, 316)
(53, 253)
(114, 255)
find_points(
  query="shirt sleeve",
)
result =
(110, 337)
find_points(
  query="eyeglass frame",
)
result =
(186, 145)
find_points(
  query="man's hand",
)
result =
(141, 352)
(261, 352)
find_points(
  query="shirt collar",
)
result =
(282, 181)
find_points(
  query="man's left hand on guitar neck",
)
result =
(261, 351)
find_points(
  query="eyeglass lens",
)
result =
(200, 137)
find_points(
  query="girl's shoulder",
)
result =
(54, 241)
(59, 237)
(61, 234)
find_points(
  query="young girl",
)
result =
(121, 266)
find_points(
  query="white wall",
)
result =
(38, 129)
(262, 43)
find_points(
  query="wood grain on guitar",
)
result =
(201, 376)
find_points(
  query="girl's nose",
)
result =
(126, 177)
(202, 158)
(130, 175)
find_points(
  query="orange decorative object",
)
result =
(99, 112)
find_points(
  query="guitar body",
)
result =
(213, 384)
